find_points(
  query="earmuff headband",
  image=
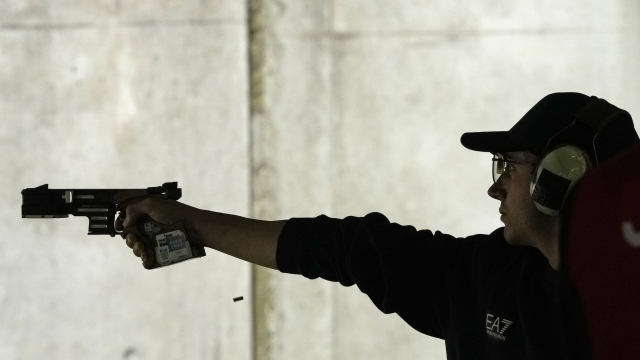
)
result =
(560, 168)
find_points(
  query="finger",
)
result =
(131, 240)
(147, 259)
(147, 264)
(118, 223)
(138, 248)
(135, 210)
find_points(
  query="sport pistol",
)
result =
(171, 242)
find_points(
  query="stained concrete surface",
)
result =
(364, 106)
(374, 124)
(110, 95)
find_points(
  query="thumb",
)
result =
(134, 211)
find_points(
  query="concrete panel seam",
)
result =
(460, 33)
(121, 24)
(262, 295)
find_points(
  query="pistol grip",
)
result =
(169, 243)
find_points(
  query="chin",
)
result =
(511, 238)
(507, 236)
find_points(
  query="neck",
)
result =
(549, 244)
(553, 255)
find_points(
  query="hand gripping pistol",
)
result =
(171, 242)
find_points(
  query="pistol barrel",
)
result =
(99, 205)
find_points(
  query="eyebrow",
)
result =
(518, 157)
(513, 156)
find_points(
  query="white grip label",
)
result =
(172, 247)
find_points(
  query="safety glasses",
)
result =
(502, 165)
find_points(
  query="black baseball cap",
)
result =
(552, 116)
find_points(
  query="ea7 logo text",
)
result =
(497, 327)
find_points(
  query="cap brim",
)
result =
(490, 141)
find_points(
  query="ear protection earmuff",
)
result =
(560, 168)
(555, 174)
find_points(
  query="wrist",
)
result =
(194, 223)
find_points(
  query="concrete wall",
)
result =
(114, 94)
(346, 107)
(366, 103)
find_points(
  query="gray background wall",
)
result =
(324, 107)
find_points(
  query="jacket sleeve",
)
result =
(402, 270)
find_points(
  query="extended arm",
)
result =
(251, 240)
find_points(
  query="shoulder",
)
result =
(496, 242)
(493, 252)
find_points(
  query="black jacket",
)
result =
(485, 298)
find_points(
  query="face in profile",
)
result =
(522, 220)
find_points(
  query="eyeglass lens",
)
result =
(498, 166)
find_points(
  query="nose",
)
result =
(497, 191)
